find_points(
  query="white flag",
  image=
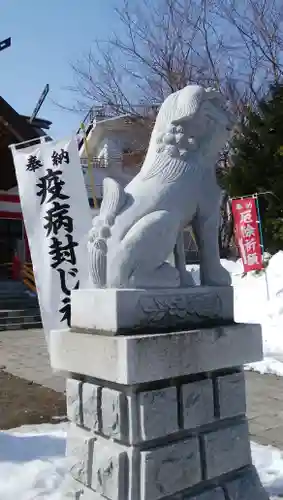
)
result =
(57, 219)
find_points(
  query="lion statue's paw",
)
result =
(215, 276)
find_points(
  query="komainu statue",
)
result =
(140, 227)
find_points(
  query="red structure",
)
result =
(14, 128)
(247, 233)
(13, 238)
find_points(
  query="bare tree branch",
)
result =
(163, 45)
(257, 25)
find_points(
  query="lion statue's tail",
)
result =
(114, 197)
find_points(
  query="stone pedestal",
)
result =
(159, 416)
(123, 311)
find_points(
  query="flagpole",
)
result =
(252, 195)
(261, 243)
(90, 169)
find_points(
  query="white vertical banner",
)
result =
(57, 219)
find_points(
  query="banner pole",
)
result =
(90, 169)
(262, 244)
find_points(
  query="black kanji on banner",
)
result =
(51, 184)
(57, 217)
(63, 279)
(62, 248)
(33, 163)
(66, 307)
(63, 253)
(59, 158)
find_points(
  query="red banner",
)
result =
(247, 233)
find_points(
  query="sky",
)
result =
(47, 36)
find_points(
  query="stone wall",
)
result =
(183, 438)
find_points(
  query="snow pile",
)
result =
(32, 462)
(269, 463)
(251, 306)
(33, 466)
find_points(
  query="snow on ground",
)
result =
(269, 463)
(32, 461)
(33, 465)
(252, 306)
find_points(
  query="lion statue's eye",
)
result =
(172, 129)
(179, 129)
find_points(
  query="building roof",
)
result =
(15, 128)
(104, 118)
(96, 129)
(39, 122)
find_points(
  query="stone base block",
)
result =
(122, 311)
(246, 486)
(158, 442)
(159, 417)
(135, 415)
(138, 359)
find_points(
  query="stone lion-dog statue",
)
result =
(140, 227)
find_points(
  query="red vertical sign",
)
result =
(247, 233)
